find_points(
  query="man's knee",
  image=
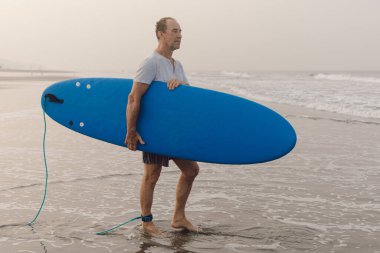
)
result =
(152, 173)
(190, 169)
(191, 172)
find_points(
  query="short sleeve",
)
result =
(146, 72)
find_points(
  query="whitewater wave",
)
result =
(236, 74)
(338, 107)
(345, 77)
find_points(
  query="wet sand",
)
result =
(322, 197)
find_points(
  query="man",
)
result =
(160, 66)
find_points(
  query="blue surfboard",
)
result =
(187, 123)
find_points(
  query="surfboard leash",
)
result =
(54, 99)
(46, 168)
(146, 218)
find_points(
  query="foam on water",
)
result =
(346, 77)
(356, 94)
(235, 74)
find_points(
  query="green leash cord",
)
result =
(46, 171)
(116, 227)
(144, 218)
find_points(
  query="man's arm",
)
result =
(133, 110)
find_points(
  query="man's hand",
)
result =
(132, 139)
(174, 83)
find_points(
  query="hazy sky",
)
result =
(235, 35)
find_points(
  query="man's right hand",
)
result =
(132, 139)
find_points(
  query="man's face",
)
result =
(172, 36)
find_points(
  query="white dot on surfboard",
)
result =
(88, 86)
(77, 84)
(81, 124)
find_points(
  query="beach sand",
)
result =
(323, 197)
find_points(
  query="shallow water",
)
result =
(322, 197)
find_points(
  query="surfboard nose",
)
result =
(51, 95)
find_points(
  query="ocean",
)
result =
(354, 94)
(322, 197)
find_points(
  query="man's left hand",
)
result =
(172, 84)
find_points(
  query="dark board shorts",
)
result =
(149, 158)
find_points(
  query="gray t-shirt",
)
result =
(159, 68)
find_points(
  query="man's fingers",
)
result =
(132, 140)
(141, 140)
(172, 84)
(132, 147)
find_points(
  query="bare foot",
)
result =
(151, 229)
(185, 224)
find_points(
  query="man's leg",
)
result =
(151, 174)
(189, 170)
